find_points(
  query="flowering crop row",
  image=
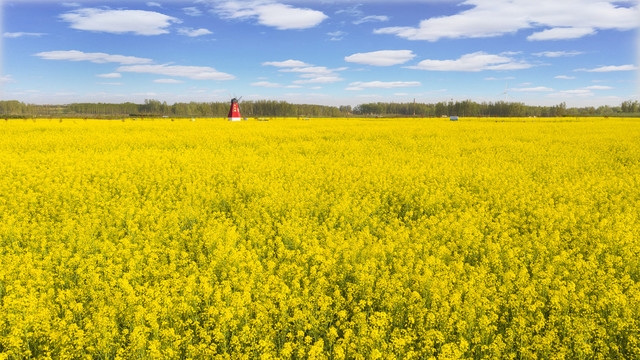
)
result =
(321, 239)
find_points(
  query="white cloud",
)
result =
(561, 33)
(371, 18)
(193, 32)
(554, 54)
(477, 61)
(358, 85)
(382, 58)
(319, 80)
(269, 84)
(532, 89)
(286, 63)
(110, 83)
(572, 93)
(21, 34)
(564, 77)
(70, 4)
(168, 81)
(100, 58)
(269, 13)
(598, 87)
(356, 12)
(266, 84)
(110, 75)
(309, 73)
(139, 22)
(491, 78)
(192, 11)
(5, 79)
(352, 11)
(314, 70)
(611, 68)
(336, 35)
(490, 18)
(153, 4)
(191, 72)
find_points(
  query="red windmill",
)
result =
(234, 110)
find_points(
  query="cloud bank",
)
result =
(477, 61)
(269, 13)
(566, 19)
(381, 58)
(191, 72)
(138, 22)
(358, 85)
(99, 58)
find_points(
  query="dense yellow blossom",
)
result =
(321, 239)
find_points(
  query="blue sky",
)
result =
(582, 52)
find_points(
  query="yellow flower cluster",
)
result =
(322, 239)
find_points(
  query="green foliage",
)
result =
(153, 108)
(260, 108)
(460, 108)
(630, 107)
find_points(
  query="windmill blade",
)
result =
(239, 99)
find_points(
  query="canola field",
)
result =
(321, 239)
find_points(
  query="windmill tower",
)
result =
(506, 92)
(234, 110)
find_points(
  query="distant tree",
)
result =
(630, 106)
(345, 109)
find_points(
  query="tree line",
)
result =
(499, 109)
(270, 108)
(155, 108)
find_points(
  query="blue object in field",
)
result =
(453, 118)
